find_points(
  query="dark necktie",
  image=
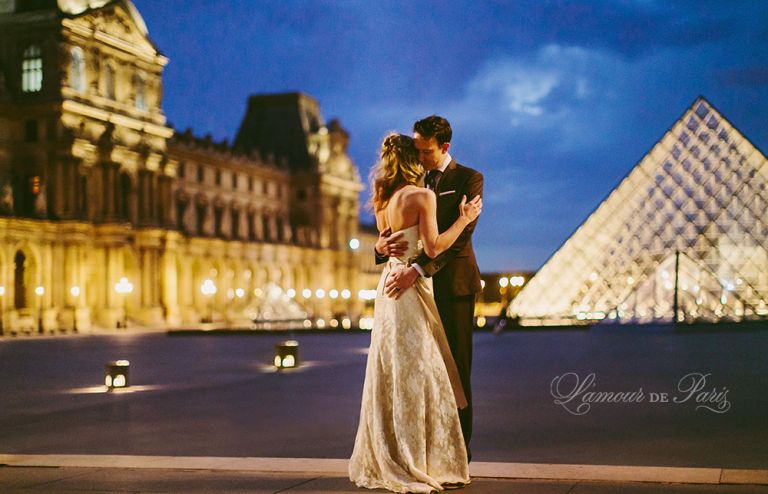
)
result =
(433, 177)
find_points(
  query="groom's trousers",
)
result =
(456, 313)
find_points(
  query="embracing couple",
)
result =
(416, 412)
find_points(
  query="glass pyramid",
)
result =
(685, 230)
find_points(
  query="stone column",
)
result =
(169, 282)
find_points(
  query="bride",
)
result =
(409, 438)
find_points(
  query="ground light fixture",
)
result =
(117, 374)
(287, 354)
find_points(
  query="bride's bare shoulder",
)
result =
(420, 195)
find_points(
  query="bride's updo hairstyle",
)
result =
(398, 166)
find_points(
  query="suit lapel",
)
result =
(446, 180)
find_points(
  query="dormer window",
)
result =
(140, 88)
(77, 69)
(32, 70)
(109, 82)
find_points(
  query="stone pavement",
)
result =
(218, 397)
(120, 474)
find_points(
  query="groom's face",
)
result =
(430, 153)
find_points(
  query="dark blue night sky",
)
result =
(554, 101)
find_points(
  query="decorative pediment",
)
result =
(118, 23)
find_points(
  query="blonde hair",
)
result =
(398, 166)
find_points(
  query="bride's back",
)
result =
(402, 211)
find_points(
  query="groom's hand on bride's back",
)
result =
(389, 244)
(399, 280)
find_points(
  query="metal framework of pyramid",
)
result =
(685, 231)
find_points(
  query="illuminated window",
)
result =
(77, 69)
(34, 185)
(32, 70)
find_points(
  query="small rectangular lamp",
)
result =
(287, 354)
(117, 374)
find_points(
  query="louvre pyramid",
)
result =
(686, 229)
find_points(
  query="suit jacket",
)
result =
(455, 271)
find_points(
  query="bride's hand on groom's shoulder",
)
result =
(389, 244)
(469, 211)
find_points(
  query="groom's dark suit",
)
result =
(456, 277)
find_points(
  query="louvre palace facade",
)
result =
(683, 238)
(108, 216)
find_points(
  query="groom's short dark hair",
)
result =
(434, 126)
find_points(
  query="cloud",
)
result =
(545, 92)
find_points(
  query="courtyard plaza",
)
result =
(687, 411)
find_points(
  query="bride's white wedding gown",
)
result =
(409, 438)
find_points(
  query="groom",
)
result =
(456, 277)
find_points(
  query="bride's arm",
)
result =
(433, 242)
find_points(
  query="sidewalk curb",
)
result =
(540, 471)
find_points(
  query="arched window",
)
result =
(218, 217)
(77, 69)
(181, 210)
(235, 223)
(139, 87)
(20, 276)
(266, 228)
(109, 81)
(32, 70)
(280, 232)
(82, 201)
(126, 190)
(200, 211)
(251, 229)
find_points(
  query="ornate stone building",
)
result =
(108, 216)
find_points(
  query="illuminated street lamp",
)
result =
(208, 289)
(40, 291)
(124, 288)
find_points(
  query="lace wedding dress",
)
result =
(409, 438)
